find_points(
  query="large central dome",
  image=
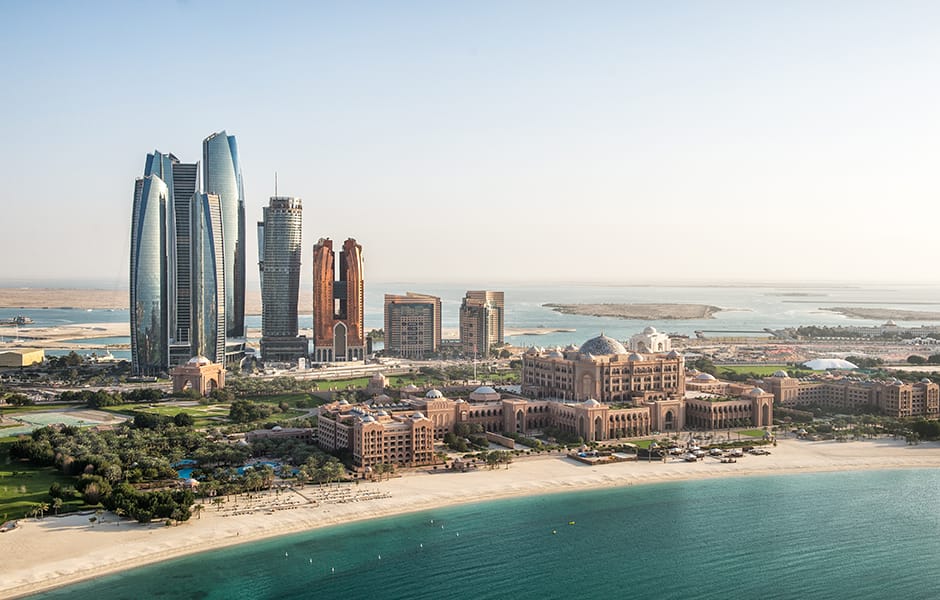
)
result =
(602, 345)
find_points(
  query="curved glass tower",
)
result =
(222, 177)
(148, 280)
(208, 285)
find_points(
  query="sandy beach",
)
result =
(55, 551)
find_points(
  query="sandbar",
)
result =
(639, 311)
(894, 314)
(55, 551)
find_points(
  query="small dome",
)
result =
(277, 428)
(755, 391)
(602, 345)
(649, 330)
(780, 373)
(532, 351)
(925, 380)
(368, 419)
(571, 348)
(555, 354)
(418, 415)
(410, 388)
(344, 402)
(635, 357)
(199, 360)
(704, 377)
(382, 398)
(434, 394)
(484, 389)
(461, 401)
(591, 402)
(381, 413)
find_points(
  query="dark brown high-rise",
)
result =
(338, 312)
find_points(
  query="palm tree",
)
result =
(57, 504)
(198, 510)
(42, 507)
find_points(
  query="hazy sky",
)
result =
(485, 142)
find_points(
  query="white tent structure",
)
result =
(824, 364)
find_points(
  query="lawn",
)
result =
(298, 399)
(755, 433)
(203, 415)
(342, 384)
(22, 486)
(762, 370)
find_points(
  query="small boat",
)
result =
(570, 522)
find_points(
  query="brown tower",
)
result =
(338, 312)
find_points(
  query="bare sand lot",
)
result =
(51, 337)
(639, 311)
(40, 554)
(62, 298)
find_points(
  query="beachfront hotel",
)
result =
(892, 397)
(279, 254)
(412, 325)
(481, 322)
(603, 370)
(404, 431)
(338, 303)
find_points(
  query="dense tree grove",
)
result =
(101, 398)
(245, 411)
(108, 462)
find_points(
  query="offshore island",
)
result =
(652, 312)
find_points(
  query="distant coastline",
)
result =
(68, 298)
(639, 311)
(893, 314)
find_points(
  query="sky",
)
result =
(490, 142)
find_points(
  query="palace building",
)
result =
(892, 397)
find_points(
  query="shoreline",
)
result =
(72, 550)
(641, 312)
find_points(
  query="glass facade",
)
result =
(222, 177)
(148, 272)
(208, 288)
(280, 270)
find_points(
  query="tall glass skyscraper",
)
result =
(208, 286)
(178, 280)
(185, 184)
(279, 253)
(148, 268)
(222, 176)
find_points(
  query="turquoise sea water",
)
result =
(860, 535)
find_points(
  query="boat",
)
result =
(17, 320)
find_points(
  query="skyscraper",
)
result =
(412, 325)
(148, 270)
(481, 322)
(338, 311)
(184, 185)
(279, 253)
(177, 277)
(208, 284)
(222, 176)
